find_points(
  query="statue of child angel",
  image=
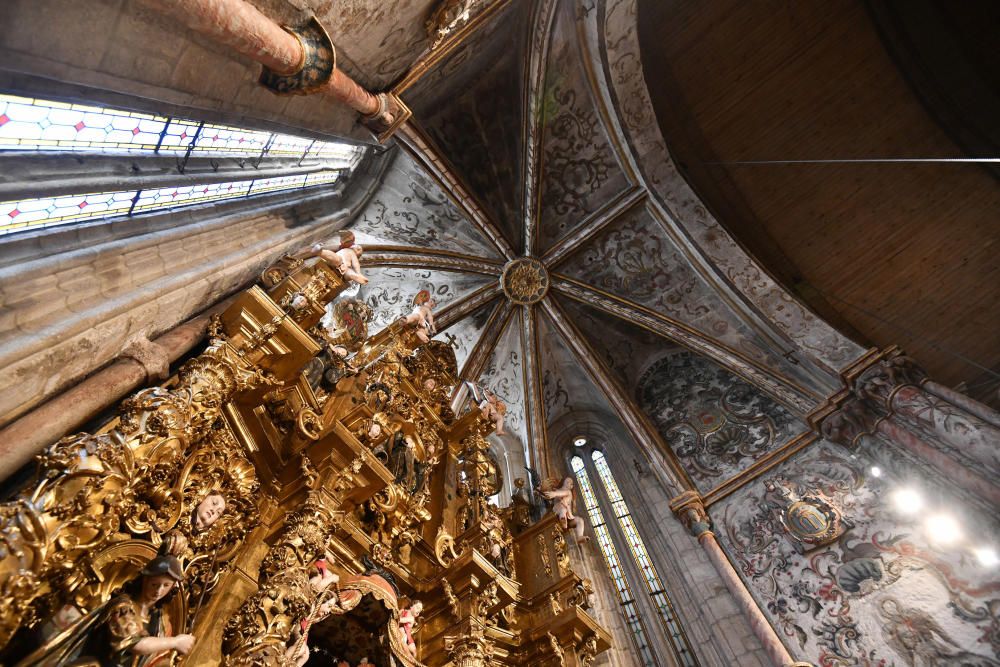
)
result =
(346, 258)
(422, 315)
(564, 504)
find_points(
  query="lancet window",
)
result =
(654, 587)
(259, 162)
(622, 588)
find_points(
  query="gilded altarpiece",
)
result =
(298, 493)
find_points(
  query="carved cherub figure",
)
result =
(346, 258)
(208, 511)
(564, 506)
(422, 315)
(407, 618)
(489, 405)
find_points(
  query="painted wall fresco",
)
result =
(468, 331)
(634, 258)
(880, 596)
(716, 424)
(505, 376)
(613, 47)
(566, 387)
(410, 209)
(579, 171)
(391, 290)
(624, 347)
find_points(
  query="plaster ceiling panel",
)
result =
(633, 258)
(566, 388)
(504, 375)
(716, 424)
(390, 290)
(579, 170)
(471, 106)
(410, 209)
(626, 348)
(468, 331)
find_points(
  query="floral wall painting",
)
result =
(887, 591)
(716, 424)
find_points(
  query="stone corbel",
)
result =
(849, 423)
(392, 112)
(152, 357)
(690, 509)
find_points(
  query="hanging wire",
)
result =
(910, 332)
(872, 160)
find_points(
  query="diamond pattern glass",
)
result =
(31, 124)
(622, 588)
(642, 560)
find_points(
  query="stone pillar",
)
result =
(24, 438)
(949, 423)
(962, 476)
(892, 390)
(889, 398)
(962, 401)
(855, 420)
(691, 511)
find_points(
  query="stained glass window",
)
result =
(638, 548)
(31, 124)
(622, 588)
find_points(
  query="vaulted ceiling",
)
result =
(519, 147)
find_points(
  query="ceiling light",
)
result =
(579, 442)
(943, 529)
(907, 501)
(987, 556)
(875, 471)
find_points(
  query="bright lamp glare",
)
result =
(987, 556)
(907, 501)
(580, 442)
(875, 471)
(943, 529)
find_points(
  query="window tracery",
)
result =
(642, 560)
(622, 588)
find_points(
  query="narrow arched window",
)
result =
(126, 162)
(654, 586)
(627, 603)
